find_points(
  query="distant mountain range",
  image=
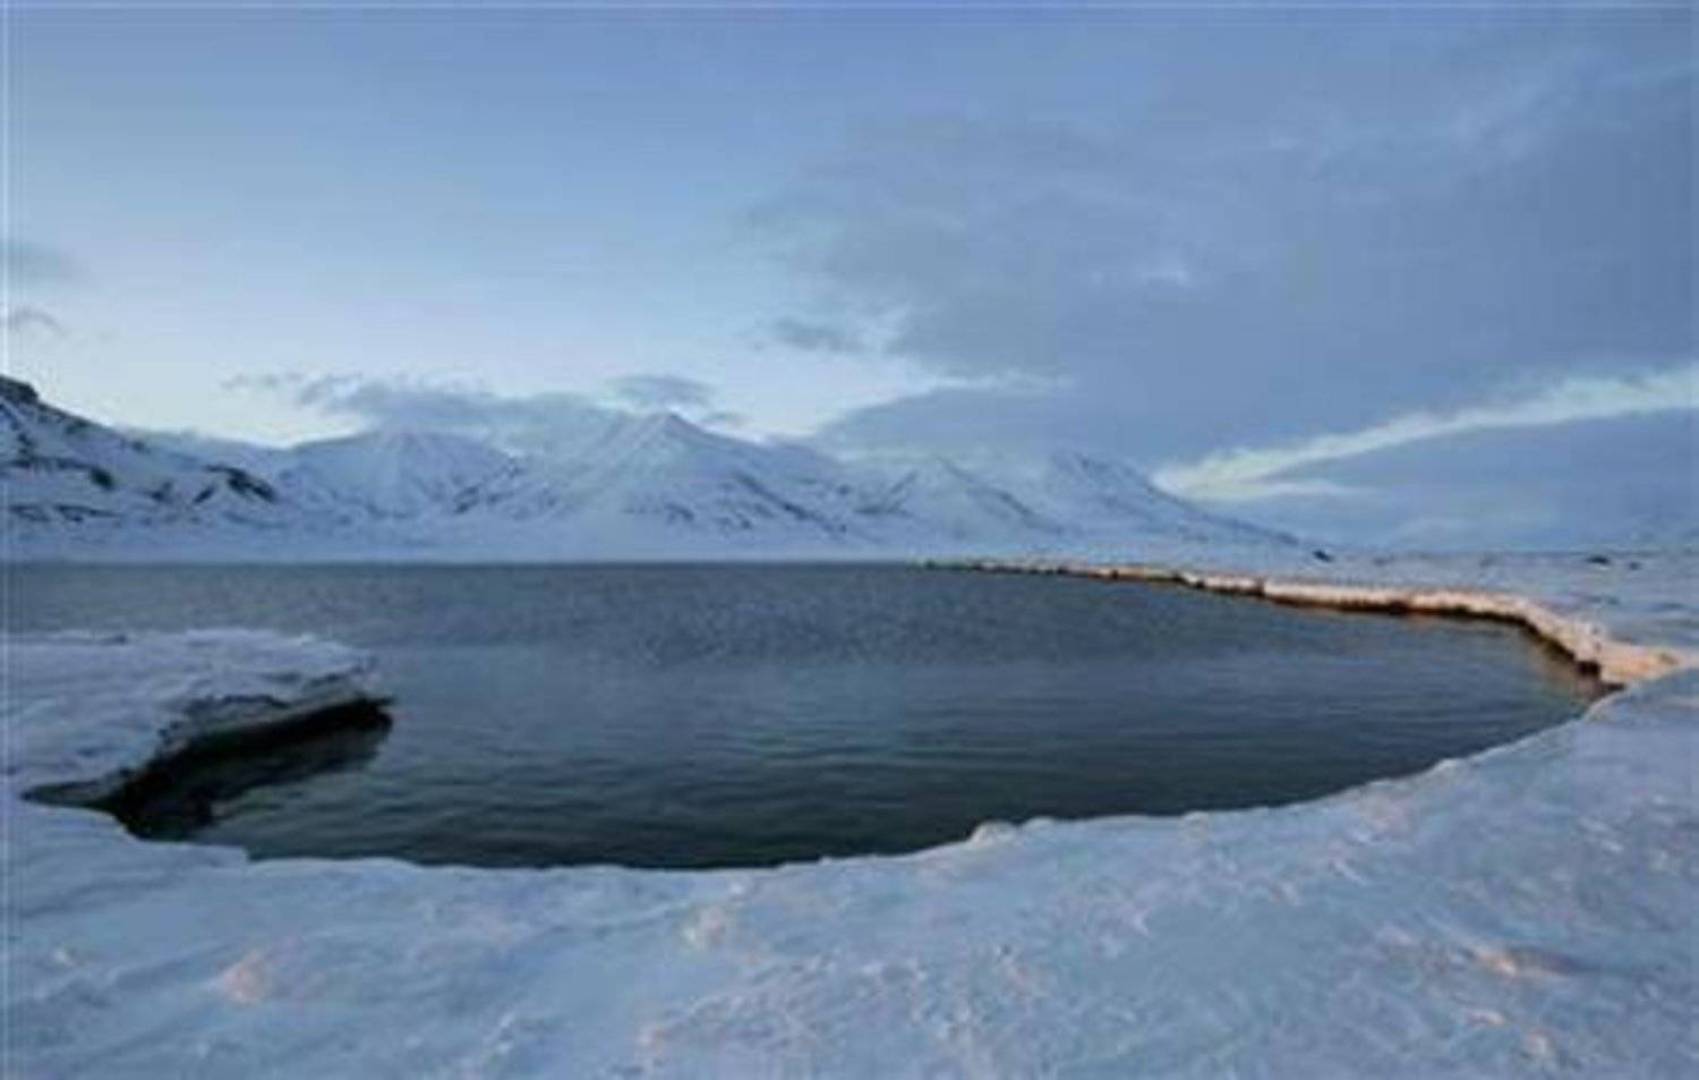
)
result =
(653, 486)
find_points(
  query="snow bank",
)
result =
(1530, 909)
(143, 698)
(1412, 586)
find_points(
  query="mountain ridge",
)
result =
(652, 485)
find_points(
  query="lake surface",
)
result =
(724, 715)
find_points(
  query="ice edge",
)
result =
(1615, 662)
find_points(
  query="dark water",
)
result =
(732, 715)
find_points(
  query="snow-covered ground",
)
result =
(1530, 910)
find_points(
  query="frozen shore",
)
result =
(1523, 911)
(1566, 624)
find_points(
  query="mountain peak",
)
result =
(671, 425)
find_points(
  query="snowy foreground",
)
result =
(1532, 909)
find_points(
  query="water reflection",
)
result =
(177, 798)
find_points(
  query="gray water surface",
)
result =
(752, 714)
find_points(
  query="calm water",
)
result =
(727, 715)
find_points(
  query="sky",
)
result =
(1314, 264)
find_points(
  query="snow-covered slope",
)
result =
(935, 497)
(398, 475)
(1103, 496)
(1063, 500)
(57, 469)
(662, 474)
(639, 486)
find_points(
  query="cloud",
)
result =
(560, 425)
(955, 418)
(1255, 243)
(30, 263)
(28, 318)
(546, 424)
(808, 335)
(1620, 480)
(662, 391)
(1254, 473)
(723, 418)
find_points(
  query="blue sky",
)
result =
(1239, 239)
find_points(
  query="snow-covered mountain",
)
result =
(59, 469)
(646, 486)
(661, 472)
(396, 475)
(1054, 501)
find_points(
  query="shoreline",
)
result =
(1616, 663)
(252, 728)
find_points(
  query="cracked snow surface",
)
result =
(1528, 910)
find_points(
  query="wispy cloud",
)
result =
(722, 418)
(30, 263)
(536, 423)
(810, 335)
(28, 318)
(1625, 479)
(1250, 473)
(661, 391)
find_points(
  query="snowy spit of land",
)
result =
(1528, 910)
